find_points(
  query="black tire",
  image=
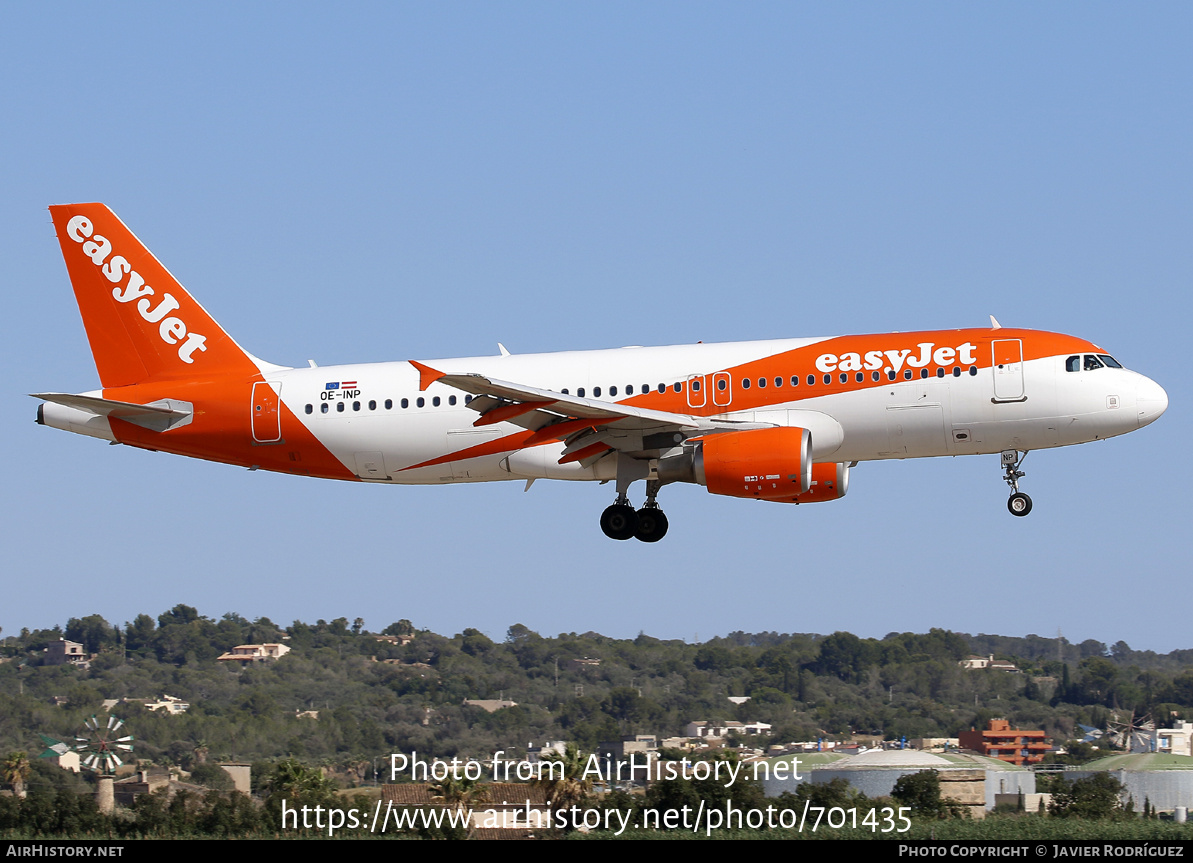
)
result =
(619, 521)
(652, 524)
(1019, 504)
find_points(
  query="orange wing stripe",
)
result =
(508, 412)
(581, 454)
(503, 444)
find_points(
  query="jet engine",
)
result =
(764, 464)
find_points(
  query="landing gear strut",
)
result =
(652, 524)
(648, 524)
(1019, 503)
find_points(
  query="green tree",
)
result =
(566, 784)
(138, 635)
(16, 772)
(93, 632)
(178, 614)
(402, 627)
(476, 643)
(294, 781)
(921, 791)
(458, 792)
(1093, 797)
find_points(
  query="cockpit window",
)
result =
(1092, 362)
(1073, 364)
(1110, 361)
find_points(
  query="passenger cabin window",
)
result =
(678, 387)
(309, 408)
(389, 404)
(811, 380)
(405, 403)
(421, 402)
(323, 408)
(340, 407)
(795, 380)
(580, 392)
(356, 406)
(435, 402)
(596, 392)
(745, 383)
(761, 383)
(451, 400)
(612, 391)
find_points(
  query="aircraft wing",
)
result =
(591, 428)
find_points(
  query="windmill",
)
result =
(99, 747)
(1133, 734)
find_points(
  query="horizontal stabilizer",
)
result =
(157, 416)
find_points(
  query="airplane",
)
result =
(779, 420)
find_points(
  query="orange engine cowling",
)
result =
(767, 464)
(829, 482)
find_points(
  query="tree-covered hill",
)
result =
(373, 697)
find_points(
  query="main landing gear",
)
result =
(1019, 503)
(648, 524)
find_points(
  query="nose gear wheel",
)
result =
(1018, 503)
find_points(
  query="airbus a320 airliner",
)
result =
(779, 420)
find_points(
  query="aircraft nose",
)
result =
(1151, 399)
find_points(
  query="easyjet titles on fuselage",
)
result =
(893, 360)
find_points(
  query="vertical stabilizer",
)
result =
(141, 323)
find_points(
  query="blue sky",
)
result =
(394, 181)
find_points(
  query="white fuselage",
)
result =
(922, 417)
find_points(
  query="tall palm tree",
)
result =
(573, 786)
(16, 772)
(293, 779)
(458, 792)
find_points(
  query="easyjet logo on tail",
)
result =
(171, 329)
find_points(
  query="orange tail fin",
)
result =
(141, 323)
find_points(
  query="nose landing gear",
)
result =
(1018, 504)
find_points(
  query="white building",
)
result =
(249, 653)
(1174, 741)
